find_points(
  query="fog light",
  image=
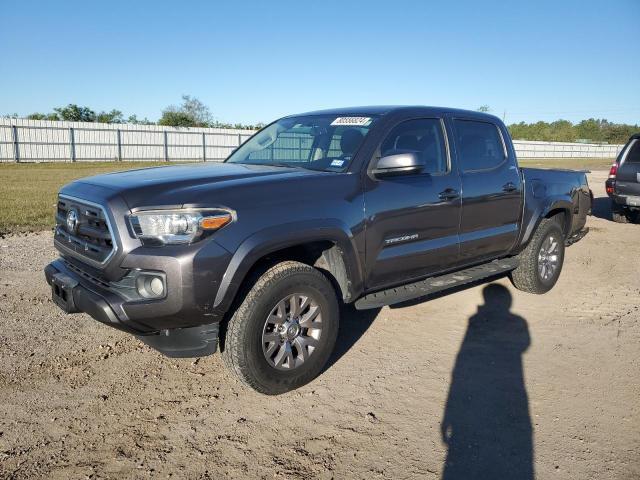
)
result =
(156, 286)
(150, 286)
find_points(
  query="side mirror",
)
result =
(405, 163)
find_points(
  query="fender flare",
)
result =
(275, 238)
(556, 202)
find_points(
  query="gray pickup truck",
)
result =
(368, 206)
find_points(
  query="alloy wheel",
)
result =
(292, 331)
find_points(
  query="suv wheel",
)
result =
(541, 261)
(618, 214)
(283, 332)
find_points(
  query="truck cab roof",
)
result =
(395, 109)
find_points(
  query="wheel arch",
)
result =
(328, 246)
(551, 207)
(564, 218)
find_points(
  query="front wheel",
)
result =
(541, 261)
(283, 332)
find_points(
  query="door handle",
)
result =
(509, 187)
(448, 194)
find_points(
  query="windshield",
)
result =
(316, 142)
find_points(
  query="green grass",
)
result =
(28, 190)
(571, 163)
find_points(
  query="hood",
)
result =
(176, 185)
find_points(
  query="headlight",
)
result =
(162, 227)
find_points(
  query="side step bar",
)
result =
(431, 285)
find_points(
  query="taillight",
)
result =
(610, 190)
(613, 171)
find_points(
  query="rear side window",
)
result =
(424, 137)
(634, 153)
(480, 145)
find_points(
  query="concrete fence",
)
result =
(53, 141)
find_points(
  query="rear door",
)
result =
(491, 190)
(412, 220)
(628, 174)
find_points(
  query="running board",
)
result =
(432, 285)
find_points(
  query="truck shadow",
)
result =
(353, 324)
(601, 208)
(486, 424)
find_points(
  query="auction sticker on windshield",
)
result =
(352, 121)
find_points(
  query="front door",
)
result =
(412, 219)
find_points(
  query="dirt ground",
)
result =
(518, 384)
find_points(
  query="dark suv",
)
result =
(623, 184)
(368, 206)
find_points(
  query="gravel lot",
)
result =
(548, 385)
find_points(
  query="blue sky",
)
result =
(254, 61)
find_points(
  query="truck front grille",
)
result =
(83, 230)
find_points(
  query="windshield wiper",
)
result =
(280, 165)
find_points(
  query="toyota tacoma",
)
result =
(369, 206)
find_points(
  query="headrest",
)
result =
(350, 141)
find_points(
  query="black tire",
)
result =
(619, 217)
(618, 214)
(527, 276)
(243, 351)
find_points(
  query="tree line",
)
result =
(191, 112)
(592, 130)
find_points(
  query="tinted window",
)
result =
(634, 153)
(479, 145)
(423, 137)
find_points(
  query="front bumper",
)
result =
(179, 331)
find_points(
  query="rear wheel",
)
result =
(541, 261)
(618, 213)
(284, 331)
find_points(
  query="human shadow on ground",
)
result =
(486, 424)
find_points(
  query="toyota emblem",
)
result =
(72, 221)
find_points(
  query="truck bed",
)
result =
(542, 183)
